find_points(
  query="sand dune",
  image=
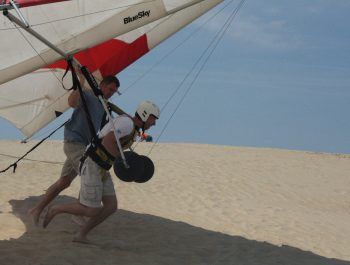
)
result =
(205, 205)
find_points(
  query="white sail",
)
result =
(107, 36)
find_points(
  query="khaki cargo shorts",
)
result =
(74, 151)
(96, 183)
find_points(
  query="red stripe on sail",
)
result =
(110, 57)
(26, 3)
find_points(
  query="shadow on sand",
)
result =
(132, 238)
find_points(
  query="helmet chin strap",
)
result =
(143, 124)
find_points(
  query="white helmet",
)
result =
(147, 108)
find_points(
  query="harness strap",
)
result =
(128, 140)
(91, 81)
(76, 83)
(99, 154)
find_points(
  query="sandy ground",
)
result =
(205, 205)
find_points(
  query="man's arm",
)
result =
(110, 143)
(73, 99)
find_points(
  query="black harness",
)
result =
(99, 155)
(95, 150)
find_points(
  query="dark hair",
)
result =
(110, 79)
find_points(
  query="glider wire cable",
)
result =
(212, 45)
(190, 35)
(32, 46)
(14, 165)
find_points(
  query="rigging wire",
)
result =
(32, 46)
(39, 135)
(217, 37)
(190, 35)
(14, 165)
(213, 44)
(34, 160)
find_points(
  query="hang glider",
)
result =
(106, 36)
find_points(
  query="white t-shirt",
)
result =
(123, 125)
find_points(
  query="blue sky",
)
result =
(279, 78)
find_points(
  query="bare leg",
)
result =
(79, 220)
(72, 208)
(51, 193)
(109, 207)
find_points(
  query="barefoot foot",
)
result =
(34, 215)
(78, 238)
(51, 212)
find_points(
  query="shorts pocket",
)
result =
(91, 192)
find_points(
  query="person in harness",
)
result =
(97, 194)
(76, 137)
